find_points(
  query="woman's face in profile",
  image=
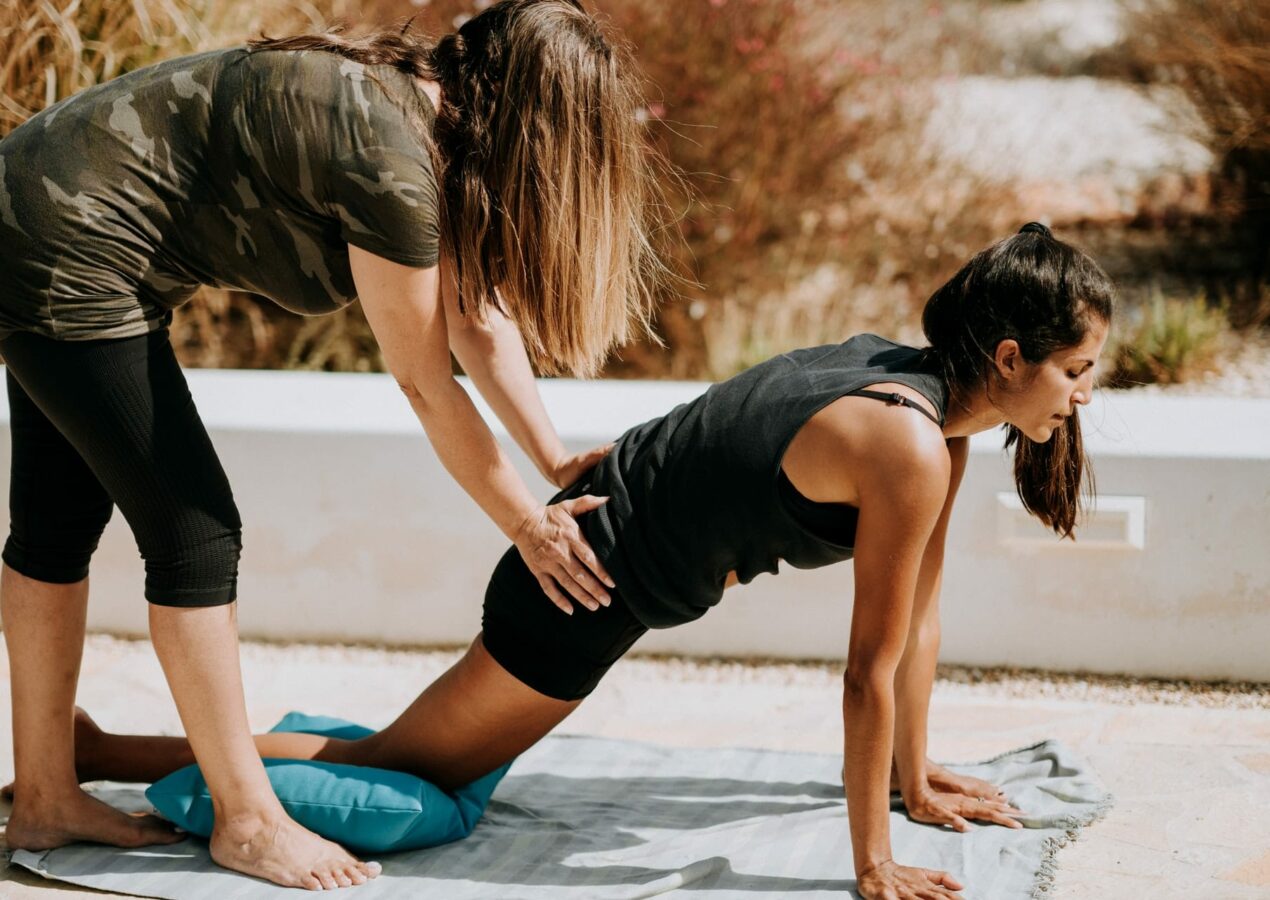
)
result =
(1057, 385)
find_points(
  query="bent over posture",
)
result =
(484, 194)
(813, 457)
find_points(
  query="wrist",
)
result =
(549, 460)
(870, 864)
(519, 521)
(916, 793)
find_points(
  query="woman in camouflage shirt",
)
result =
(486, 195)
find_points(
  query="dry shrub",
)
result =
(1218, 53)
(806, 209)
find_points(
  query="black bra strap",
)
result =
(897, 398)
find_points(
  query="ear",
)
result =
(1009, 359)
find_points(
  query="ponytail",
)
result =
(1042, 293)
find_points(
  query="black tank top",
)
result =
(697, 493)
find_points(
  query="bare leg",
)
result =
(468, 722)
(198, 649)
(44, 631)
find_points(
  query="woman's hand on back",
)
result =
(891, 881)
(554, 549)
(569, 469)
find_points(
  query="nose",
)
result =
(1084, 392)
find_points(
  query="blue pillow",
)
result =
(365, 809)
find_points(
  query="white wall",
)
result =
(353, 531)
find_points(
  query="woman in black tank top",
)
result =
(818, 455)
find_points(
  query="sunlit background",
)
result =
(840, 158)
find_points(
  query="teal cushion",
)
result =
(366, 809)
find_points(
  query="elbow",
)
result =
(411, 390)
(426, 395)
(925, 636)
(869, 679)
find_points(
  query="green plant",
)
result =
(1169, 340)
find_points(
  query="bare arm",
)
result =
(493, 356)
(916, 672)
(405, 312)
(903, 479)
(932, 793)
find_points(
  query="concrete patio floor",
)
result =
(1189, 765)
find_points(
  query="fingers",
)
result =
(581, 549)
(584, 504)
(553, 593)
(945, 880)
(997, 812)
(579, 584)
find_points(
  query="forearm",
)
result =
(913, 681)
(868, 712)
(494, 357)
(471, 455)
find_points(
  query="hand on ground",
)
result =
(943, 780)
(891, 881)
(940, 808)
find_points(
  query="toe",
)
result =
(354, 875)
(311, 883)
(371, 869)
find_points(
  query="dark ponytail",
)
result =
(1043, 294)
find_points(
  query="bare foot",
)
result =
(41, 823)
(283, 852)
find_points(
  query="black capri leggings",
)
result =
(98, 423)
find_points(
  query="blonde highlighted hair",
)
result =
(549, 189)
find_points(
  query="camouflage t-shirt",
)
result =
(245, 170)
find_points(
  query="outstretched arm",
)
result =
(916, 672)
(902, 485)
(492, 354)
(405, 312)
(931, 793)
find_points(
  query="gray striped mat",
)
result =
(589, 818)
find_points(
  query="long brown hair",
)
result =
(549, 190)
(1044, 294)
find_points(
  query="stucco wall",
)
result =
(353, 531)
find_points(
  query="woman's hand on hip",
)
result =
(554, 549)
(569, 469)
(939, 808)
(891, 881)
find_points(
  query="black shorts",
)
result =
(560, 655)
